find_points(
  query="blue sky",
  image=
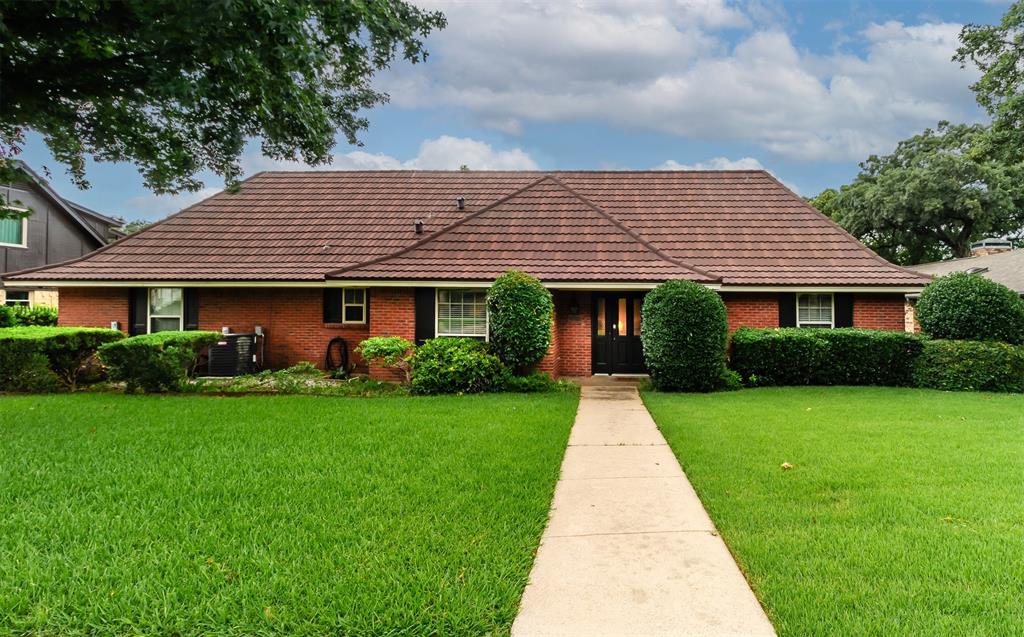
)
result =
(803, 89)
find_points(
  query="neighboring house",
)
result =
(58, 230)
(309, 256)
(1002, 265)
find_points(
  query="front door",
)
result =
(615, 333)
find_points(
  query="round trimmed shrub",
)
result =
(684, 334)
(455, 366)
(963, 306)
(521, 314)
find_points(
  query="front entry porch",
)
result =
(615, 333)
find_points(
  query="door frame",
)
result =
(602, 354)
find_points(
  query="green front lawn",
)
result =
(273, 515)
(903, 514)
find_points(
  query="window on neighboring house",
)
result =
(353, 305)
(814, 310)
(17, 298)
(166, 309)
(462, 313)
(13, 232)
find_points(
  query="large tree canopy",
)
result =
(936, 194)
(998, 51)
(178, 86)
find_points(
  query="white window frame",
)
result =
(149, 309)
(437, 314)
(24, 231)
(832, 312)
(344, 305)
(26, 303)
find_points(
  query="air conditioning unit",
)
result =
(233, 355)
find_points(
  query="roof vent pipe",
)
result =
(418, 224)
(460, 202)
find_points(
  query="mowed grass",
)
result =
(903, 514)
(273, 515)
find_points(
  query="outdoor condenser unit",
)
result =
(233, 355)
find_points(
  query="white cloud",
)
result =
(668, 66)
(153, 206)
(715, 163)
(442, 153)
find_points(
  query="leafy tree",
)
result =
(998, 51)
(825, 202)
(178, 86)
(131, 227)
(938, 192)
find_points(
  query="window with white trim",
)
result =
(462, 313)
(14, 232)
(353, 305)
(815, 310)
(166, 309)
(15, 297)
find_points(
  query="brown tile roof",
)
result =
(742, 227)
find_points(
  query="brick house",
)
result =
(309, 256)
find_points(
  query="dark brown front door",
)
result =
(615, 333)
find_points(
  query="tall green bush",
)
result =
(521, 312)
(6, 316)
(156, 362)
(684, 335)
(971, 366)
(963, 306)
(455, 366)
(48, 358)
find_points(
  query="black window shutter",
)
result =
(191, 296)
(424, 314)
(332, 305)
(366, 308)
(844, 309)
(138, 306)
(787, 309)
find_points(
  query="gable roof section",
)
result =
(544, 229)
(743, 227)
(65, 206)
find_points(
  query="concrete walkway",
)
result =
(629, 549)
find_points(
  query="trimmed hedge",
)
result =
(521, 313)
(845, 356)
(48, 358)
(963, 306)
(971, 366)
(156, 362)
(39, 316)
(455, 366)
(684, 336)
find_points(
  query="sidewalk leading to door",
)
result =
(629, 549)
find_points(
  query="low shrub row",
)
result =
(156, 362)
(846, 356)
(970, 366)
(448, 365)
(48, 358)
(25, 316)
(792, 356)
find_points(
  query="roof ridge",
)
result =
(443, 231)
(634, 234)
(844, 231)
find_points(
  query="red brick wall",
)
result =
(751, 309)
(291, 317)
(392, 313)
(879, 311)
(93, 307)
(569, 354)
